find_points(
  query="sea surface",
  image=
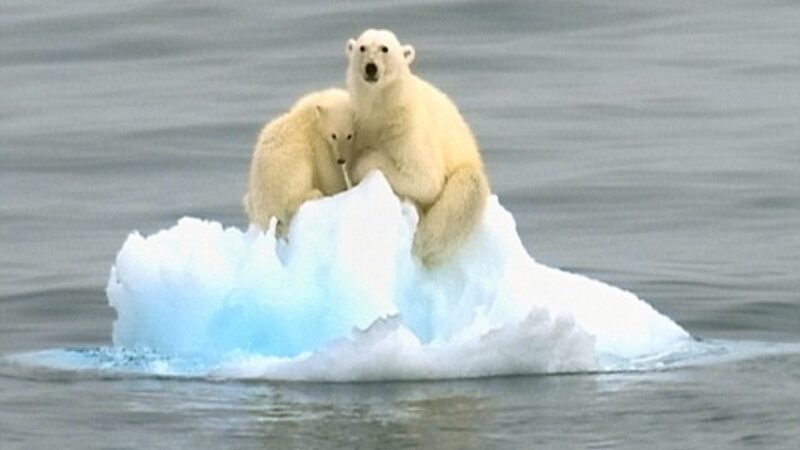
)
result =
(652, 145)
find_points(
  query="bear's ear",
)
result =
(320, 111)
(408, 53)
(351, 44)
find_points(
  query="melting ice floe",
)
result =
(344, 300)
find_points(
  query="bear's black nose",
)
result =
(341, 161)
(371, 70)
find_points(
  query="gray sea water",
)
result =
(652, 145)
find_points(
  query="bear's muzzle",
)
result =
(371, 72)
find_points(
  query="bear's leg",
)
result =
(285, 218)
(451, 219)
(369, 161)
(294, 204)
(419, 181)
(258, 207)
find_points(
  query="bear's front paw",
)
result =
(427, 249)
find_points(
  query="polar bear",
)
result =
(299, 156)
(413, 133)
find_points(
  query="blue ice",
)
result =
(343, 299)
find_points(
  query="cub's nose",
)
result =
(341, 161)
(371, 70)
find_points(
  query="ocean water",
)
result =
(655, 147)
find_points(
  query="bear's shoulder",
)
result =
(299, 120)
(327, 98)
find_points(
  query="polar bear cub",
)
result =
(299, 157)
(413, 133)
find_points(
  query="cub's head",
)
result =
(377, 58)
(335, 122)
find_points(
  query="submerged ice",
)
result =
(343, 299)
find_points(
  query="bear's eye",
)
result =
(362, 49)
(384, 49)
(333, 136)
(349, 136)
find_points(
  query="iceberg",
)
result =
(343, 299)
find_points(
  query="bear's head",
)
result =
(335, 123)
(377, 58)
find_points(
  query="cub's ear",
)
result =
(408, 53)
(351, 44)
(320, 111)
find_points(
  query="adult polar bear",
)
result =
(409, 130)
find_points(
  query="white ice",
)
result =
(343, 299)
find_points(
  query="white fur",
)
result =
(295, 158)
(414, 134)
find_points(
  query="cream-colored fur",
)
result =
(297, 158)
(414, 134)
